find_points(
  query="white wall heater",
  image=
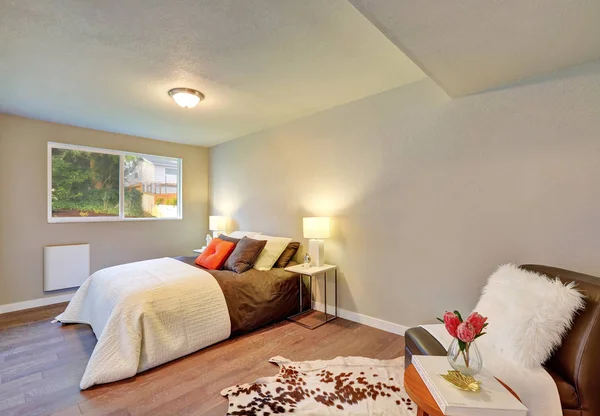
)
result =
(66, 266)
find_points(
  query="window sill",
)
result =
(67, 220)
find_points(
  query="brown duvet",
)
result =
(256, 298)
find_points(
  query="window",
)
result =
(89, 184)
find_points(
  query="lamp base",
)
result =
(316, 251)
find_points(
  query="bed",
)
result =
(147, 313)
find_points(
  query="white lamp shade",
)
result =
(217, 223)
(316, 227)
(186, 100)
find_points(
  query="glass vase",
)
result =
(468, 362)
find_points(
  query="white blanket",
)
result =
(145, 314)
(535, 387)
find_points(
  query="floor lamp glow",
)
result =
(316, 228)
(217, 225)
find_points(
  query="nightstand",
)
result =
(199, 250)
(314, 271)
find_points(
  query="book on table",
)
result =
(493, 399)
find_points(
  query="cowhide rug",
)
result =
(342, 386)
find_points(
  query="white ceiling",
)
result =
(468, 46)
(108, 64)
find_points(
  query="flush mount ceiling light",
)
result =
(186, 97)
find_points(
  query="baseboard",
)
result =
(364, 319)
(342, 313)
(35, 303)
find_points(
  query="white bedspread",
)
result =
(535, 387)
(145, 314)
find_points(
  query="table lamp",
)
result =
(217, 224)
(316, 229)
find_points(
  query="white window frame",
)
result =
(121, 154)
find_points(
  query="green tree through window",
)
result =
(84, 183)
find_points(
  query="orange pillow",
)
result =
(213, 257)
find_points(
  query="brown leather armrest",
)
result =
(420, 342)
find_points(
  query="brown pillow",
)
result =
(287, 255)
(244, 255)
(230, 239)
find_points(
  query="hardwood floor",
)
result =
(41, 364)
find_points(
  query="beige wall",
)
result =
(24, 229)
(429, 194)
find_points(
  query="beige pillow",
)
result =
(273, 249)
(242, 234)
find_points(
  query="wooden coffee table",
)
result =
(419, 394)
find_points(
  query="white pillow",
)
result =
(528, 314)
(242, 234)
(273, 249)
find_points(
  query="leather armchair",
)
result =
(575, 366)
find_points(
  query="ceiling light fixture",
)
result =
(186, 97)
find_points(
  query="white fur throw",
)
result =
(528, 314)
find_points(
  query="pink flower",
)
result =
(477, 321)
(452, 322)
(465, 332)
